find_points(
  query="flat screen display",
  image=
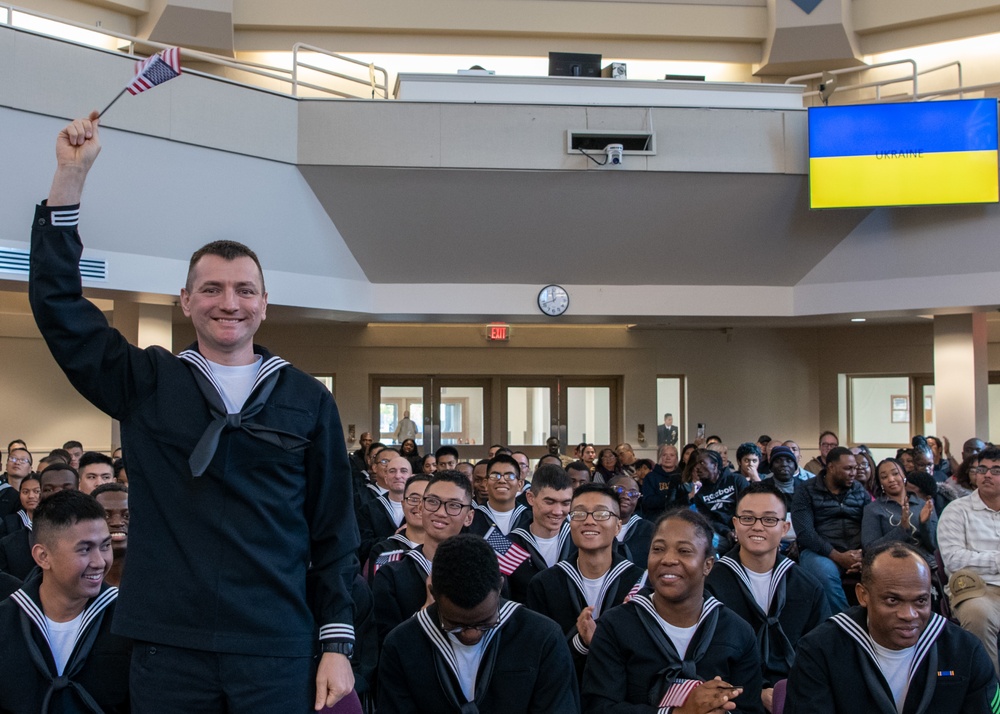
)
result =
(913, 154)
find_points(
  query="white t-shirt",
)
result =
(591, 591)
(236, 382)
(680, 636)
(548, 548)
(502, 519)
(895, 666)
(397, 511)
(760, 586)
(62, 638)
(468, 658)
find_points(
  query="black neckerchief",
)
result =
(446, 664)
(267, 378)
(772, 642)
(33, 620)
(854, 623)
(678, 668)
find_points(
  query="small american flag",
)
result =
(678, 692)
(633, 592)
(155, 70)
(385, 558)
(510, 555)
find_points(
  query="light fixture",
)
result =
(857, 319)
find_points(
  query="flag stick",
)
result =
(112, 102)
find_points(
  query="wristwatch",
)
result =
(344, 648)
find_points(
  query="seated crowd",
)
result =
(598, 582)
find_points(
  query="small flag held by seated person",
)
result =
(510, 555)
(151, 72)
(678, 692)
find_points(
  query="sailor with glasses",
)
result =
(637, 532)
(780, 600)
(400, 588)
(473, 651)
(501, 512)
(18, 466)
(968, 536)
(576, 592)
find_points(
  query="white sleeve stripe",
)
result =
(66, 218)
(327, 632)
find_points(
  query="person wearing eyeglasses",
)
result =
(472, 650)
(577, 592)
(400, 588)
(18, 466)
(504, 480)
(407, 537)
(382, 517)
(779, 600)
(637, 532)
(968, 541)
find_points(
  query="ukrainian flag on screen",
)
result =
(903, 154)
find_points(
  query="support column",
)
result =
(806, 36)
(143, 326)
(961, 377)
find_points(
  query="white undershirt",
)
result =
(62, 638)
(397, 510)
(592, 590)
(895, 666)
(236, 382)
(468, 658)
(502, 519)
(760, 586)
(548, 548)
(680, 636)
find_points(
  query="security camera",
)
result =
(614, 152)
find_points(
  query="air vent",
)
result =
(634, 142)
(17, 262)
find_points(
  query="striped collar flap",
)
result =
(781, 566)
(421, 560)
(427, 618)
(610, 581)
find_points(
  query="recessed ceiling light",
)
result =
(857, 319)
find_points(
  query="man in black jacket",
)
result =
(892, 654)
(826, 514)
(239, 478)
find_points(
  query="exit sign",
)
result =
(497, 332)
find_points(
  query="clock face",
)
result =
(553, 300)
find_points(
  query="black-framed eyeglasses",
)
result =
(459, 629)
(982, 470)
(495, 476)
(766, 521)
(622, 491)
(453, 508)
(599, 515)
(413, 499)
(18, 460)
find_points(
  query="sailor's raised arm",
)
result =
(77, 146)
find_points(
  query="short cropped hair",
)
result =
(466, 570)
(95, 457)
(60, 466)
(113, 487)
(990, 453)
(700, 523)
(550, 476)
(577, 465)
(62, 510)
(446, 450)
(455, 477)
(601, 488)
(227, 250)
(836, 452)
(72, 445)
(60, 454)
(765, 487)
(896, 549)
(641, 463)
(503, 459)
(415, 478)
